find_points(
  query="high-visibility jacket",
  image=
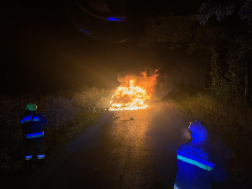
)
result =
(33, 125)
(198, 166)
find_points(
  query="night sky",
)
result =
(42, 51)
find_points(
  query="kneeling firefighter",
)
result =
(32, 124)
(197, 165)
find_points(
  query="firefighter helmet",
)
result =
(198, 131)
(31, 107)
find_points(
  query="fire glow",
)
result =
(133, 92)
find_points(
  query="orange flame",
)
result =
(133, 92)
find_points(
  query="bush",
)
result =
(90, 101)
(68, 114)
(228, 123)
(11, 135)
(60, 112)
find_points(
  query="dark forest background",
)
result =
(202, 47)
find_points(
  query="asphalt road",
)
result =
(125, 149)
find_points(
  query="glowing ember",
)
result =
(133, 92)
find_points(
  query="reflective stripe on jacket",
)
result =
(33, 124)
(194, 160)
(35, 135)
(198, 166)
(28, 119)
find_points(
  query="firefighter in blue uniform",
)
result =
(197, 165)
(32, 124)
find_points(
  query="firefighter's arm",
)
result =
(42, 119)
(219, 173)
(24, 128)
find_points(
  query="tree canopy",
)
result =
(222, 8)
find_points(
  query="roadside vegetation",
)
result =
(69, 113)
(218, 91)
(229, 125)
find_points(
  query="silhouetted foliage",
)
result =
(227, 45)
(68, 114)
(223, 8)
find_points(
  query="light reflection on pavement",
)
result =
(134, 149)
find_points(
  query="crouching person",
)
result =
(32, 124)
(197, 165)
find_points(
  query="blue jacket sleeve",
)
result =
(42, 119)
(219, 173)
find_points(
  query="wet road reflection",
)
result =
(131, 149)
(134, 149)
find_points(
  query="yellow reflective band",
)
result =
(35, 135)
(175, 187)
(28, 157)
(35, 119)
(41, 156)
(193, 162)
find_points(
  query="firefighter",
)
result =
(197, 165)
(32, 124)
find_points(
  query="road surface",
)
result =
(125, 149)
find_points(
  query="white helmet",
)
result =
(198, 131)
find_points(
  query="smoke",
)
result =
(133, 73)
(186, 136)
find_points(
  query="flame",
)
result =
(133, 92)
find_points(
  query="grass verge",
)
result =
(68, 114)
(229, 125)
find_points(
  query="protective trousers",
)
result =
(35, 146)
